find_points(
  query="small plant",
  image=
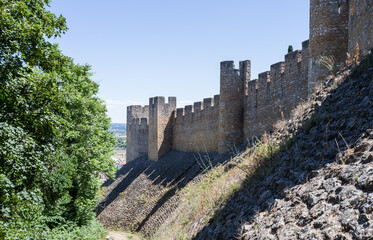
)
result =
(354, 176)
(334, 86)
(328, 62)
(290, 48)
(354, 59)
(356, 53)
(204, 161)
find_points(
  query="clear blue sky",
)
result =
(144, 48)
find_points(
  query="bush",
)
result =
(54, 136)
(290, 49)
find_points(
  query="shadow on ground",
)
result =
(143, 194)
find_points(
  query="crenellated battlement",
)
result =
(137, 111)
(275, 93)
(197, 126)
(137, 131)
(277, 69)
(157, 101)
(207, 104)
(247, 108)
(264, 78)
(140, 121)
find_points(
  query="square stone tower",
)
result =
(137, 132)
(328, 36)
(233, 89)
(161, 117)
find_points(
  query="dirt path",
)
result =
(122, 236)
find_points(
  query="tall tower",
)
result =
(161, 118)
(233, 87)
(137, 132)
(328, 36)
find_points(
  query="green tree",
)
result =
(290, 48)
(54, 136)
(120, 143)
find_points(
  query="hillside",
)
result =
(311, 179)
(321, 187)
(119, 129)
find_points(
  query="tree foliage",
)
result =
(54, 136)
(290, 49)
(120, 143)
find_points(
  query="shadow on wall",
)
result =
(346, 112)
(166, 144)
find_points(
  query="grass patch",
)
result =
(203, 199)
(92, 231)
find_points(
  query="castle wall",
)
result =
(275, 93)
(360, 27)
(196, 126)
(137, 132)
(161, 118)
(328, 36)
(246, 109)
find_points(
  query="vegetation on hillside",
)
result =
(205, 202)
(120, 143)
(54, 136)
(201, 200)
(119, 131)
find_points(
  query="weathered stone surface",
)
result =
(333, 200)
(137, 132)
(196, 128)
(360, 25)
(328, 36)
(161, 118)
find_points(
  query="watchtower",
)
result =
(137, 132)
(233, 87)
(328, 36)
(161, 116)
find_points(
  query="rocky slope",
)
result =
(319, 187)
(322, 186)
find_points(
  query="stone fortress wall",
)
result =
(275, 93)
(196, 126)
(360, 24)
(247, 108)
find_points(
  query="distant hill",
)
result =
(119, 129)
(118, 126)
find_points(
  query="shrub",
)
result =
(290, 49)
(54, 136)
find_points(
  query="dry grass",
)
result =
(328, 61)
(202, 199)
